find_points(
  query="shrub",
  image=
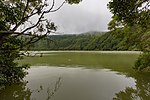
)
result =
(143, 62)
(10, 71)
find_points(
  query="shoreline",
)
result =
(74, 51)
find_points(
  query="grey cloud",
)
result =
(89, 15)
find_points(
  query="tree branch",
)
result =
(58, 7)
(8, 33)
(31, 41)
(37, 10)
(40, 18)
(22, 19)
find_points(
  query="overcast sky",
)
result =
(89, 15)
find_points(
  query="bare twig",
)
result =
(40, 18)
(58, 7)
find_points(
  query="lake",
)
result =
(81, 76)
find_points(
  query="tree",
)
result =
(15, 14)
(133, 15)
(17, 30)
(130, 12)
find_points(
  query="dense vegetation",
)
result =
(10, 72)
(133, 16)
(113, 40)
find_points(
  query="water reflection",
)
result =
(53, 91)
(16, 92)
(141, 92)
(20, 91)
(45, 83)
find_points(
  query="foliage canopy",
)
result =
(16, 20)
(130, 12)
(133, 15)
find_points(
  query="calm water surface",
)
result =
(116, 80)
(60, 83)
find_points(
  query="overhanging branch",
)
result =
(39, 10)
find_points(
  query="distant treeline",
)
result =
(113, 40)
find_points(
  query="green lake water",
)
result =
(81, 76)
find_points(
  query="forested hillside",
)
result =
(120, 39)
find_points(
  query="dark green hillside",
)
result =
(120, 39)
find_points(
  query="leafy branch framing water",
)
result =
(17, 30)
